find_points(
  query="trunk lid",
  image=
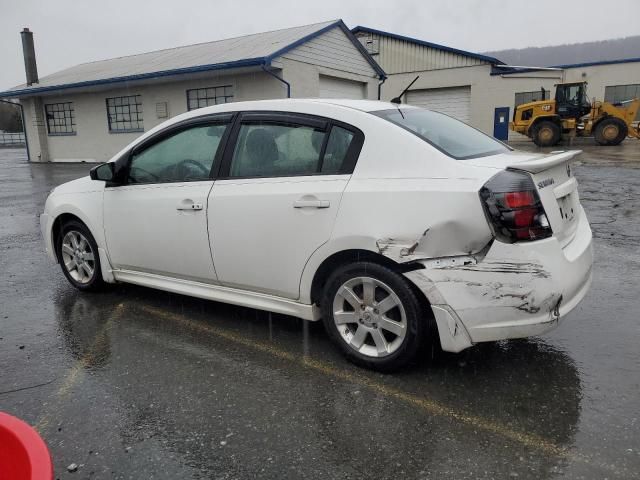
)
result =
(555, 184)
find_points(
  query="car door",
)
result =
(155, 222)
(277, 197)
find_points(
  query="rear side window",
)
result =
(452, 137)
(271, 150)
(337, 149)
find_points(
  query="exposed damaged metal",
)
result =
(520, 268)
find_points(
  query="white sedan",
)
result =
(395, 225)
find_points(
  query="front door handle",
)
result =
(188, 204)
(311, 204)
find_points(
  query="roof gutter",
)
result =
(287, 84)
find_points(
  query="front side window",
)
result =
(61, 119)
(266, 149)
(124, 114)
(452, 137)
(185, 156)
(205, 97)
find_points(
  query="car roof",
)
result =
(285, 103)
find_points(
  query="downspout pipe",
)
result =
(24, 125)
(380, 83)
(287, 84)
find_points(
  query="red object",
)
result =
(519, 199)
(524, 217)
(23, 453)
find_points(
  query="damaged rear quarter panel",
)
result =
(415, 218)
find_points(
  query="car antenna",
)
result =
(398, 99)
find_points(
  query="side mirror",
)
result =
(104, 172)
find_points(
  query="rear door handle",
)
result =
(188, 204)
(311, 204)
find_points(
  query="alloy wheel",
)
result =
(369, 317)
(78, 257)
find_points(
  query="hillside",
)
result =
(615, 49)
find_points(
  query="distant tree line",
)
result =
(614, 49)
(10, 120)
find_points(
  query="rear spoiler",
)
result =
(545, 162)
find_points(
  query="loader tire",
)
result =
(611, 131)
(546, 134)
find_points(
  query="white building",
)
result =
(481, 90)
(91, 111)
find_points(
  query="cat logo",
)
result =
(546, 108)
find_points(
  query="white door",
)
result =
(156, 223)
(279, 200)
(455, 101)
(332, 87)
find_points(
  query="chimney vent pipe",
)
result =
(29, 53)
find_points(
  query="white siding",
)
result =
(331, 87)
(334, 50)
(455, 102)
(94, 143)
(400, 56)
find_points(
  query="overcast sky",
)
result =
(70, 32)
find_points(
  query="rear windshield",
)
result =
(450, 136)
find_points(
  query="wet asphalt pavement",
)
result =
(140, 384)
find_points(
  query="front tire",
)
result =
(546, 134)
(611, 131)
(78, 256)
(374, 316)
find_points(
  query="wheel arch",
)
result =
(606, 116)
(56, 229)
(342, 257)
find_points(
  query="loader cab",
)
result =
(572, 100)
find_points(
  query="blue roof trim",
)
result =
(130, 78)
(478, 56)
(510, 70)
(345, 29)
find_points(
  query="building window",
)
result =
(204, 97)
(621, 93)
(125, 114)
(535, 96)
(61, 119)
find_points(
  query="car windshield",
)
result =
(450, 136)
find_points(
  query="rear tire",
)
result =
(546, 133)
(611, 131)
(374, 316)
(78, 256)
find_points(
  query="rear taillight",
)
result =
(513, 208)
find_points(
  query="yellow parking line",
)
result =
(425, 404)
(76, 372)
(428, 405)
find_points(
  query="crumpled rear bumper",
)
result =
(515, 291)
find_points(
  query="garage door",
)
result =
(332, 87)
(455, 102)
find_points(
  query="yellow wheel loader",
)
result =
(571, 114)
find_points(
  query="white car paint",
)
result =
(405, 200)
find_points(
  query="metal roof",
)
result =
(248, 50)
(424, 43)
